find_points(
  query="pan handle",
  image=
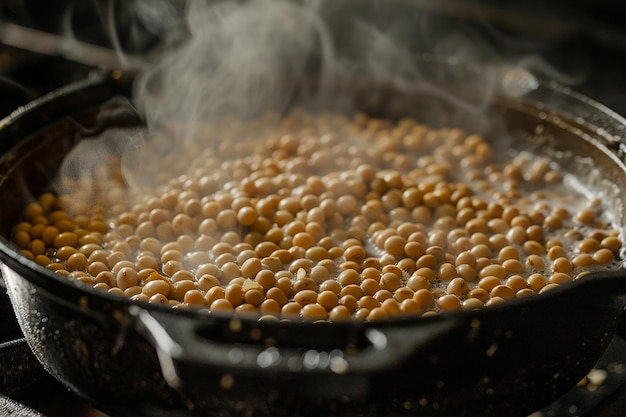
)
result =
(181, 346)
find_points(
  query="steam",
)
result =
(248, 59)
(152, 16)
(268, 56)
(239, 60)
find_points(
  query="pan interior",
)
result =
(511, 125)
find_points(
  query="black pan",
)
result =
(133, 359)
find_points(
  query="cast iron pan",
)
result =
(134, 359)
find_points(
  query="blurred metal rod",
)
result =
(65, 46)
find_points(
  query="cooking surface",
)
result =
(602, 64)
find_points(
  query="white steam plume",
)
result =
(246, 58)
(239, 60)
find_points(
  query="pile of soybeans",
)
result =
(321, 217)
